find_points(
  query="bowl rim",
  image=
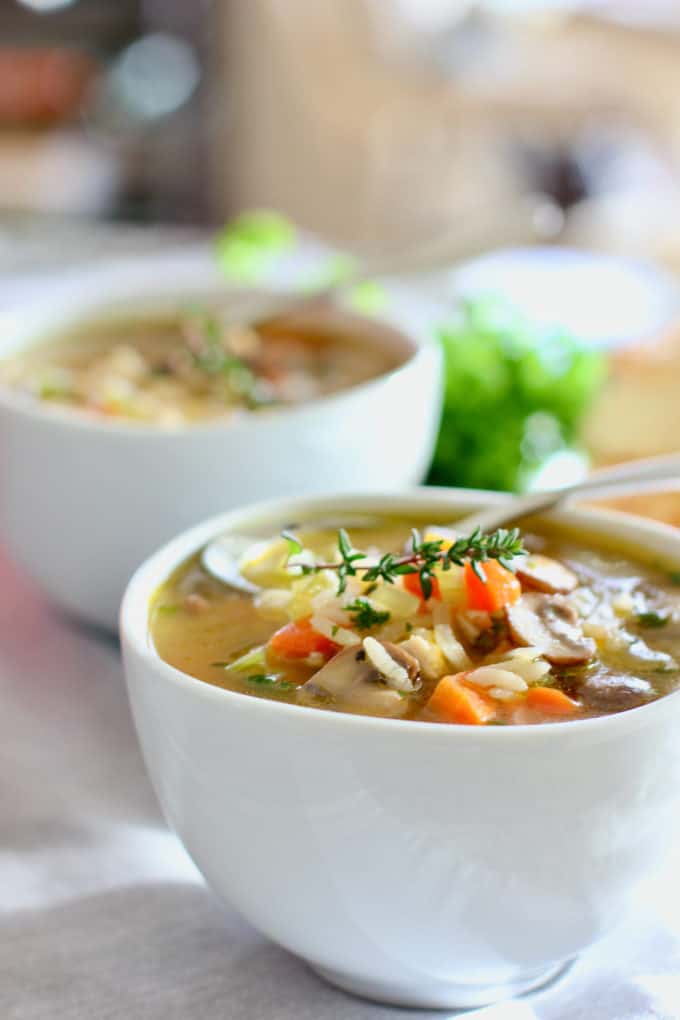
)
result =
(419, 341)
(136, 637)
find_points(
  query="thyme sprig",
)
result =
(207, 347)
(422, 558)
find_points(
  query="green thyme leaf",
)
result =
(344, 544)
(479, 570)
(295, 546)
(364, 616)
(425, 582)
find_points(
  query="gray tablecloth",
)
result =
(105, 918)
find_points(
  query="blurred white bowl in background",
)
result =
(603, 300)
(83, 501)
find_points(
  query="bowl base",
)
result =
(435, 994)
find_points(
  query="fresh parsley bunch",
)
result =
(512, 397)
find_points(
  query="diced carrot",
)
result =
(299, 639)
(455, 702)
(412, 584)
(550, 701)
(500, 589)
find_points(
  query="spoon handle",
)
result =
(634, 474)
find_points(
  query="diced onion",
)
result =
(272, 602)
(309, 592)
(449, 644)
(492, 676)
(429, 655)
(341, 635)
(399, 603)
(502, 694)
(623, 603)
(451, 585)
(530, 670)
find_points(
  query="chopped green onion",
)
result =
(254, 659)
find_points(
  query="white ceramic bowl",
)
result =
(419, 864)
(82, 501)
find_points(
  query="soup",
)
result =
(192, 368)
(382, 620)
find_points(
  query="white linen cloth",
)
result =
(103, 916)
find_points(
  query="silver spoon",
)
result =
(224, 555)
(633, 476)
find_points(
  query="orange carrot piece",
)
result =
(454, 702)
(550, 701)
(299, 639)
(501, 588)
(412, 584)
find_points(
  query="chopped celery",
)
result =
(396, 601)
(254, 659)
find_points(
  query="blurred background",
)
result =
(546, 130)
(337, 112)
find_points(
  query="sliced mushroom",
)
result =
(545, 574)
(397, 667)
(354, 683)
(613, 692)
(549, 623)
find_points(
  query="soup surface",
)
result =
(565, 631)
(190, 368)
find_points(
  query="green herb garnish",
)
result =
(652, 619)
(674, 577)
(168, 609)
(255, 658)
(477, 548)
(364, 616)
(294, 544)
(514, 396)
(270, 680)
(207, 343)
